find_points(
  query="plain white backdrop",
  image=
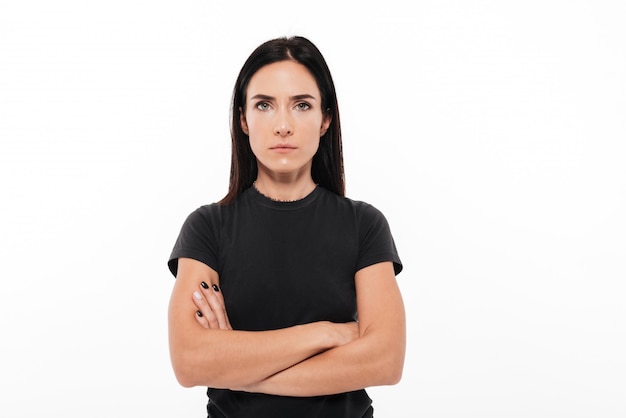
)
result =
(492, 135)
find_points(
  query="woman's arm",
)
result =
(206, 352)
(375, 358)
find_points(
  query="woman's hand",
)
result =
(211, 313)
(342, 333)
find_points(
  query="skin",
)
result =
(284, 121)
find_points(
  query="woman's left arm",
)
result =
(376, 358)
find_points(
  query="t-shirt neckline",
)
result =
(296, 204)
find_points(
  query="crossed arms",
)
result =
(319, 358)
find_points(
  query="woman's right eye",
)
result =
(263, 106)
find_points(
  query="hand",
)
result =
(343, 333)
(211, 313)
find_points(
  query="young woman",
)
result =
(285, 302)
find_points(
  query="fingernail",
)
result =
(197, 295)
(199, 314)
(217, 289)
(203, 284)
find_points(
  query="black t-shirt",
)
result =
(283, 264)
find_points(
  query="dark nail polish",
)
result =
(217, 289)
(199, 314)
(203, 284)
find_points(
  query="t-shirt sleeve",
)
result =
(376, 243)
(198, 238)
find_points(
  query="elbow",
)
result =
(189, 363)
(184, 375)
(394, 376)
(184, 381)
(185, 369)
(190, 371)
(386, 361)
(390, 370)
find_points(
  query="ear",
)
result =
(325, 123)
(242, 121)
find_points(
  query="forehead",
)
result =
(283, 77)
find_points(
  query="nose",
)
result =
(283, 125)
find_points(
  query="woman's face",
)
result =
(283, 118)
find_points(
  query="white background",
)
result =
(492, 135)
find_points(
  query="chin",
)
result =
(285, 167)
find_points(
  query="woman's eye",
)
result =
(263, 106)
(303, 106)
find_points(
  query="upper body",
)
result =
(283, 264)
(305, 339)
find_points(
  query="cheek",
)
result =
(313, 142)
(314, 131)
(259, 126)
(255, 143)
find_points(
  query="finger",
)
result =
(220, 297)
(205, 309)
(216, 302)
(201, 319)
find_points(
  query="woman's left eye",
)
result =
(303, 106)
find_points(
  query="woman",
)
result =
(285, 302)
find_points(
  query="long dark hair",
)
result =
(327, 168)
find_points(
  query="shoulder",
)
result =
(204, 213)
(204, 219)
(374, 234)
(208, 210)
(215, 215)
(347, 202)
(362, 214)
(366, 209)
(363, 211)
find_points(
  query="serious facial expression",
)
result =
(283, 117)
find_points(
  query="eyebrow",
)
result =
(270, 98)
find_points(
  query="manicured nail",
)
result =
(197, 295)
(203, 284)
(217, 289)
(199, 314)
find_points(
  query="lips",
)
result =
(283, 148)
(283, 145)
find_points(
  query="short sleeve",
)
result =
(198, 238)
(376, 242)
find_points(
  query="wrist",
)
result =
(326, 335)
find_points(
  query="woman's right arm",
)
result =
(207, 352)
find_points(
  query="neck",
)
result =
(284, 192)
